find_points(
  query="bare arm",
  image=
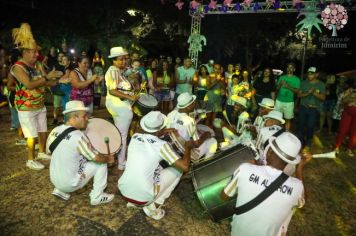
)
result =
(11, 82)
(103, 158)
(23, 78)
(76, 83)
(184, 163)
(121, 95)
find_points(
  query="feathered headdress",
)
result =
(23, 37)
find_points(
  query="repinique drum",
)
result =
(211, 176)
(177, 144)
(144, 104)
(99, 131)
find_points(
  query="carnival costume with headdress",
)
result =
(27, 99)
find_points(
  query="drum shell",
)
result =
(210, 177)
(141, 109)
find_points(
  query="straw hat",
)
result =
(185, 99)
(75, 105)
(117, 51)
(153, 121)
(287, 147)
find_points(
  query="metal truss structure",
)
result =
(255, 8)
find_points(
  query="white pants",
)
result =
(91, 169)
(208, 147)
(122, 115)
(229, 136)
(169, 179)
(33, 122)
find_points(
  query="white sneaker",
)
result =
(60, 194)
(43, 156)
(153, 212)
(103, 198)
(34, 165)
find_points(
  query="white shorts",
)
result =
(33, 122)
(286, 108)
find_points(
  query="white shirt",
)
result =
(263, 136)
(145, 151)
(272, 216)
(258, 123)
(69, 158)
(115, 80)
(185, 74)
(184, 124)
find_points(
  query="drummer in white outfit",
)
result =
(74, 161)
(187, 128)
(272, 216)
(144, 182)
(119, 97)
(240, 133)
(266, 105)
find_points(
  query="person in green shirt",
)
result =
(312, 93)
(287, 86)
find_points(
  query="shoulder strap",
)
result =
(263, 195)
(274, 135)
(60, 137)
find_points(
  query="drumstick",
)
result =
(107, 140)
(143, 87)
(226, 117)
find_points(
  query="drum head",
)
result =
(97, 130)
(147, 100)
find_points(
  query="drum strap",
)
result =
(274, 135)
(263, 195)
(60, 137)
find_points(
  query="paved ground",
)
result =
(28, 208)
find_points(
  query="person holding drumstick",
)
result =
(186, 126)
(119, 97)
(144, 182)
(272, 214)
(74, 160)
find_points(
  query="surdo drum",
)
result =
(211, 176)
(144, 104)
(99, 131)
(177, 144)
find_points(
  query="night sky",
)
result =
(88, 21)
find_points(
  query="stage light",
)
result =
(132, 12)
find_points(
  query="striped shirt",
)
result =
(185, 125)
(145, 151)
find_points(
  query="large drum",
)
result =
(177, 144)
(210, 178)
(144, 104)
(99, 131)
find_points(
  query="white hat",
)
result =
(286, 146)
(75, 105)
(277, 115)
(117, 51)
(312, 69)
(153, 121)
(185, 99)
(240, 100)
(267, 103)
